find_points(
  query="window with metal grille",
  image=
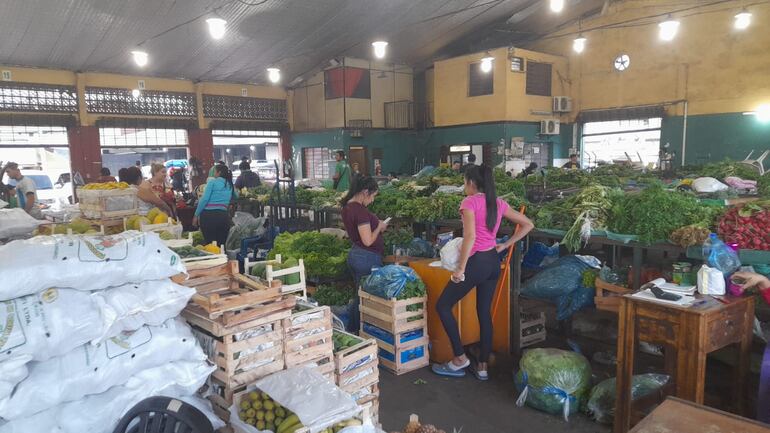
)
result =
(142, 137)
(104, 100)
(479, 82)
(316, 162)
(236, 107)
(38, 98)
(33, 136)
(538, 78)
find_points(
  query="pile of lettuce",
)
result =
(325, 255)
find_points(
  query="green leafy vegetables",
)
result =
(325, 255)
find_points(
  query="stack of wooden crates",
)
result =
(308, 338)
(400, 328)
(356, 370)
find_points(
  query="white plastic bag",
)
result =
(450, 254)
(93, 369)
(708, 184)
(57, 321)
(83, 262)
(317, 402)
(711, 281)
(100, 413)
(11, 373)
(16, 222)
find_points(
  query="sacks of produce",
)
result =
(394, 281)
(98, 413)
(93, 369)
(12, 372)
(59, 320)
(83, 262)
(601, 401)
(16, 222)
(244, 226)
(553, 381)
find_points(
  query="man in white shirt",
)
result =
(25, 189)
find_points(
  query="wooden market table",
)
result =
(688, 335)
(681, 416)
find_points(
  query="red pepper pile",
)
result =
(748, 226)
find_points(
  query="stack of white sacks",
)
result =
(89, 328)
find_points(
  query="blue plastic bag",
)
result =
(560, 278)
(537, 253)
(421, 248)
(571, 303)
(718, 255)
(388, 281)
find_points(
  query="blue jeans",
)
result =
(360, 263)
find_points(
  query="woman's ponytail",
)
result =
(490, 195)
(360, 183)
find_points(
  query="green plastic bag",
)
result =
(553, 381)
(601, 402)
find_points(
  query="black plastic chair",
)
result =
(164, 415)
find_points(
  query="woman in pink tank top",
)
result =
(479, 266)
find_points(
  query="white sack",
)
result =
(57, 321)
(100, 413)
(16, 222)
(83, 262)
(708, 184)
(450, 254)
(11, 373)
(711, 281)
(93, 369)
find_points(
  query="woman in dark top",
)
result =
(365, 232)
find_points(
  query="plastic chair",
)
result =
(758, 163)
(163, 415)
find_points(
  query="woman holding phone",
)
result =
(365, 232)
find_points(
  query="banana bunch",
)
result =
(106, 185)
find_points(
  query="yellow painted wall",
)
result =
(715, 68)
(508, 102)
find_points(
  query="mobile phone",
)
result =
(387, 220)
(662, 294)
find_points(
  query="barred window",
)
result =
(38, 98)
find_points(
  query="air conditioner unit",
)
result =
(562, 104)
(549, 127)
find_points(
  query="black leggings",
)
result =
(215, 225)
(481, 272)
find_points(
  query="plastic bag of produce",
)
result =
(244, 226)
(56, 321)
(83, 262)
(100, 413)
(421, 248)
(12, 372)
(554, 381)
(93, 369)
(388, 281)
(540, 254)
(16, 222)
(718, 255)
(571, 303)
(450, 254)
(562, 277)
(708, 184)
(710, 281)
(601, 401)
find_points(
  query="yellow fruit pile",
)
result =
(210, 248)
(106, 185)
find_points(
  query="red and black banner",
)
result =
(347, 82)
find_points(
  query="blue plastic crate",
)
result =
(406, 355)
(387, 337)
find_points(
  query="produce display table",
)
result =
(680, 416)
(688, 334)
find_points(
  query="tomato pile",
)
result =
(747, 226)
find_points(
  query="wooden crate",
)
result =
(169, 226)
(308, 338)
(234, 349)
(107, 203)
(532, 328)
(356, 367)
(608, 295)
(210, 260)
(225, 294)
(300, 289)
(393, 315)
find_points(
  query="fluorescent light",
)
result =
(274, 75)
(668, 29)
(380, 49)
(579, 44)
(252, 147)
(557, 5)
(216, 27)
(140, 57)
(486, 63)
(136, 93)
(742, 20)
(762, 113)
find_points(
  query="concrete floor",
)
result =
(468, 404)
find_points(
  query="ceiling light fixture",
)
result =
(762, 113)
(557, 5)
(140, 57)
(380, 49)
(486, 63)
(274, 75)
(217, 27)
(668, 29)
(136, 93)
(579, 44)
(742, 20)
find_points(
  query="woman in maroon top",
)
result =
(365, 232)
